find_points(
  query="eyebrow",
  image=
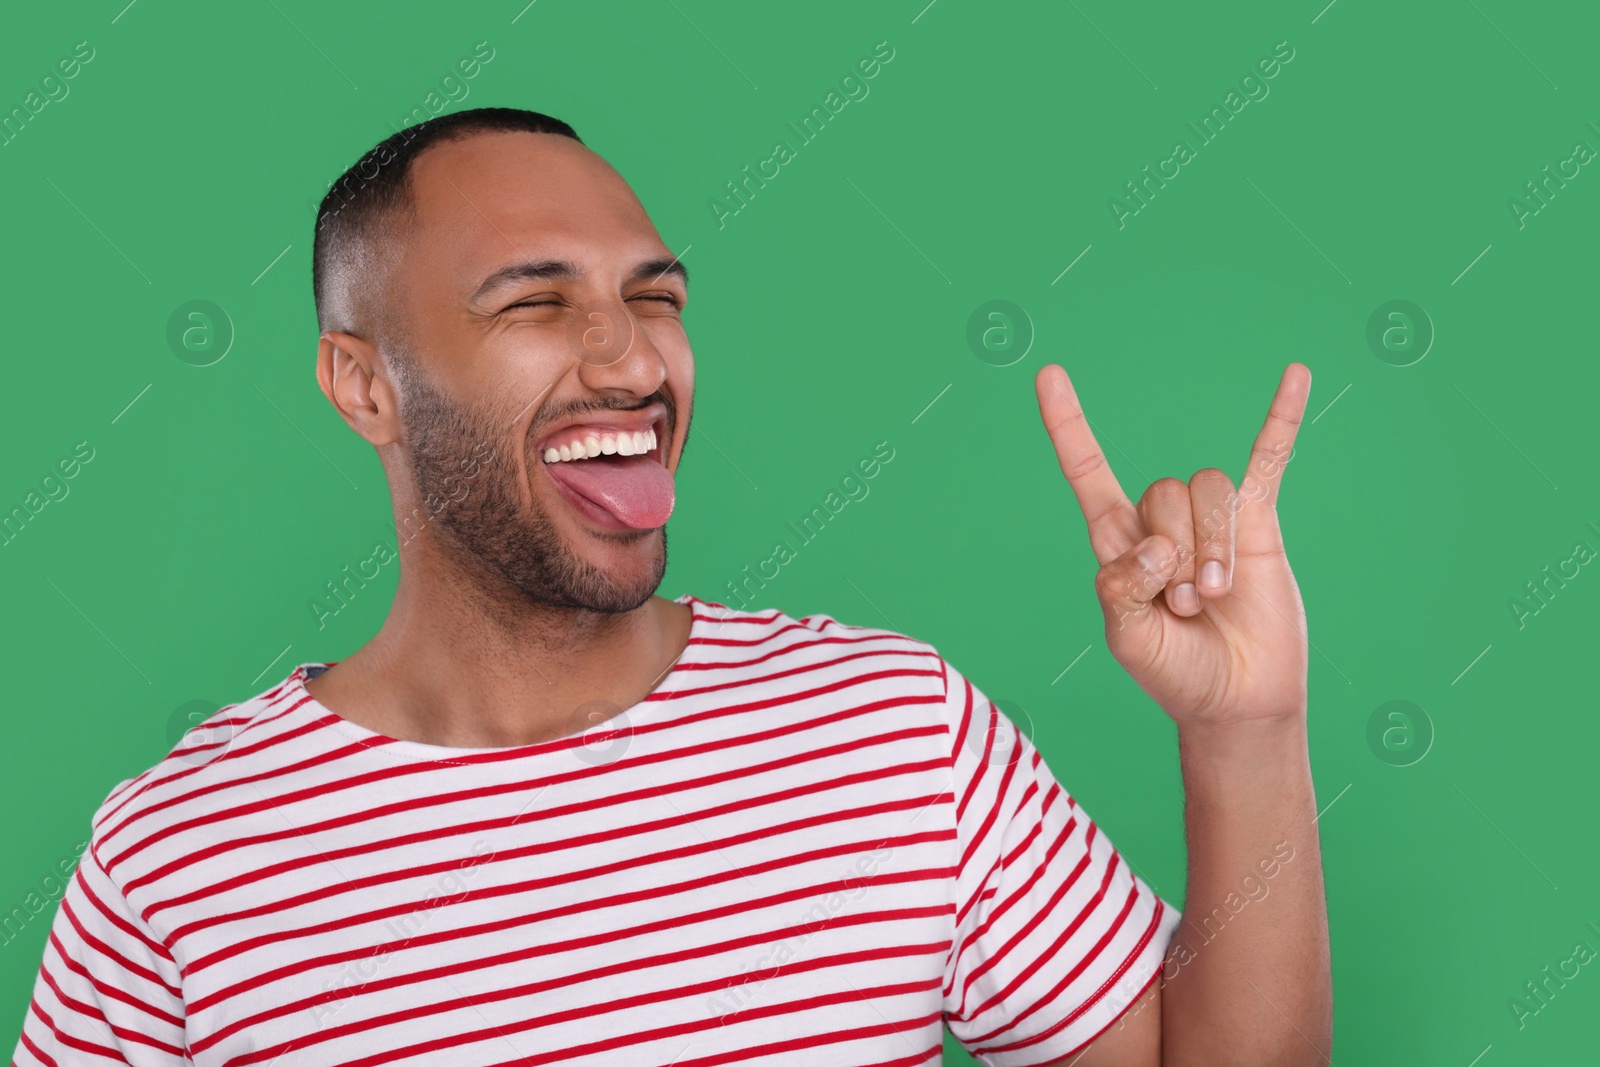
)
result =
(564, 270)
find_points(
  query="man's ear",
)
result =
(350, 372)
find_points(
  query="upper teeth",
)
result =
(589, 444)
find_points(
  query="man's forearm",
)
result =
(1247, 977)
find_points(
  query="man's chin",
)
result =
(615, 571)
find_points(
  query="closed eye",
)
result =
(662, 298)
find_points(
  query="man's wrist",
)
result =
(1244, 755)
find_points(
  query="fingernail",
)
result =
(1184, 598)
(1153, 559)
(1211, 574)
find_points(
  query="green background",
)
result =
(186, 161)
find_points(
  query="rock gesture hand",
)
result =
(1226, 643)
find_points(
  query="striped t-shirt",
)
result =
(812, 844)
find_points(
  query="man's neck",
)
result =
(449, 667)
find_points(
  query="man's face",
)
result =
(543, 318)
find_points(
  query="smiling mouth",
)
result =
(590, 444)
(612, 476)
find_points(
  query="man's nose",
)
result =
(613, 351)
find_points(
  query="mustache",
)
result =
(577, 411)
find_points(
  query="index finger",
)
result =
(1113, 526)
(1275, 442)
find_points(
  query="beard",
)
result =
(475, 509)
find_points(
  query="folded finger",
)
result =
(1166, 510)
(1216, 504)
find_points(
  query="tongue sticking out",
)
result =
(637, 490)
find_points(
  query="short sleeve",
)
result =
(1055, 936)
(107, 991)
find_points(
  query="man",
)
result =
(546, 816)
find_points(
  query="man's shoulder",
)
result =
(213, 749)
(745, 637)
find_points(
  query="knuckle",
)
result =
(1160, 491)
(1084, 467)
(1106, 582)
(1115, 584)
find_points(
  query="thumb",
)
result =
(1128, 584)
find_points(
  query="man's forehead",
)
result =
(490, 202)
(499, 178)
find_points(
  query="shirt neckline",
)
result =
(420, 751)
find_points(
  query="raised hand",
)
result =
(1201, 607)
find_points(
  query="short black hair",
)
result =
(352, 222)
